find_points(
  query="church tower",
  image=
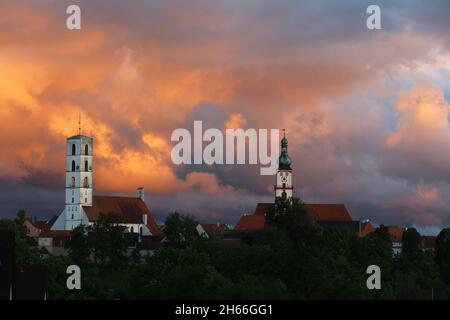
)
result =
(283, 187)
(79, 154)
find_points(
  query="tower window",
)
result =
(72, 184)
(72, 216)
(74, 149)
(131, 229)
(73, 165)
(86, 182)
(86, 167)
(86, 150)
(73, 200)
(85, 200)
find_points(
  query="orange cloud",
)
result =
(136, 72)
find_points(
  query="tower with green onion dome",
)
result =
(283, 186)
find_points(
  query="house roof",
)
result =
(335, 215)
(262, 208)
(396, 233)
(317, 211)
(131, 209)
(328, 212)
(41, 224)
(250, 222)
(429, 242)
(366, 229)
(213, 228)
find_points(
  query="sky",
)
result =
(366, 111)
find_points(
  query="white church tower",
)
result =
(283, 187)
(79, 156)
(78, 179)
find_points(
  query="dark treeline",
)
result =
(293, 258)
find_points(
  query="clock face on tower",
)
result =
(284, 179)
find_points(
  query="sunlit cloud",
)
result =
(366, 113)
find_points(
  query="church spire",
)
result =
(284, 161)
(79, 123)
(283, 187)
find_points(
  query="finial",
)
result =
(284, 133)
(79, 123)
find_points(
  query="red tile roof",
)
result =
(328, 212)
(41, 224)
(320, 212)
(131, 209)
(32, 229)
(213, 228)
(366, 229)
(396, 233)
(251, 223)
(429, 242)
(262, 208)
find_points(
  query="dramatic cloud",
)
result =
(366, 111)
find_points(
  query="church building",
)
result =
(326, 215)
(83, 207)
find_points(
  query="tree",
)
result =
(291, 216)
(26, 252)
(107, 241)
(442, 249)
(442, 254)
(411, 244)
(78, 245)
(180, 230)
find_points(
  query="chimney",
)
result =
(141, 193)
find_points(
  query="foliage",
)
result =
(293, 258)
(79, 246)
(180, 230)
(26, 251)
(106, 241)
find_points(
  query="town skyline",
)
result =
(366, 111)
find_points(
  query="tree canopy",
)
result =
(292, 258)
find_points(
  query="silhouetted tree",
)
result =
(78, 245)
(411, 244)
(180, 230)
(26, 250)
(107, 241)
